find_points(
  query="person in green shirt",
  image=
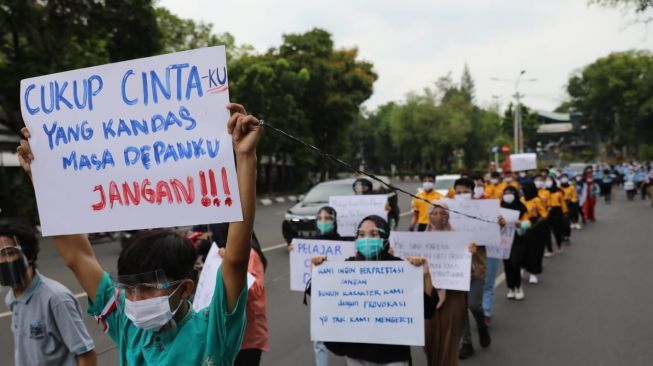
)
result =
(147, 310)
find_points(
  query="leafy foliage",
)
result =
(615, 95)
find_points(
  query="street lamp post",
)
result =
(518, 133)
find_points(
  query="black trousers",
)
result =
(422, 227)
(513, 274)
(248, 357)
(557, 225)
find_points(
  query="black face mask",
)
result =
(13, 273)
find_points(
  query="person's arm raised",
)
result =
(245, 131)
(75, 250)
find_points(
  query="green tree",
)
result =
(178, 34)
(339, 83)
(43, 37)
(615, 96)
(371, 140)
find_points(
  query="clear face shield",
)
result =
(370, 243)
(13, 263)
(150, 301)
(145, 285)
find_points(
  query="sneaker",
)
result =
(519, 294)
(484, 336)
(511, 294)
(466, 351)
(533, 279)
(559, 250)
(548, 254)
(487, 320)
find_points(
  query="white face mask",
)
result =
(522, 174)
(150, 314)
(548, 184)
(508, 198)
(494, 180)
(507, 179)
(463, 196)
(539, 184)
(479, 192)
(564, 180)
(428, 186)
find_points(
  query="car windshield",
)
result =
(444, 183)
(322, 192)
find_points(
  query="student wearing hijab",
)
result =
(557, 211)
(372, 245)
(543, 193)
(445, 329)
(535, 238)
(571, 201)
(512, 265)
(327, 229)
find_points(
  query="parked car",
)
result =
(299, 221)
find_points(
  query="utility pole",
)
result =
(518, 133)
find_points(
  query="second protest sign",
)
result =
(378, 302)
(447, 252)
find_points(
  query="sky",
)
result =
(412, 43)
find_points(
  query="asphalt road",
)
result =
(591, 307)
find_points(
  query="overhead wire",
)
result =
(362, 172)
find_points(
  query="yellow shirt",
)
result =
(422, 207)
(535, 208)
(570, 193)
(451, 193)
(498, 191)
(490, 190)
(544, 193)
(556, 199)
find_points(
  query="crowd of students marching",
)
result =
(147, 311)
(550, 205)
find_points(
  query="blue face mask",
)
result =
(369, 247)
(325, 227)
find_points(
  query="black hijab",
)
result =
(334, 234)
(384, 233)
(554, 187)
(530, 191)
(516, 205)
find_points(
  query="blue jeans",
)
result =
(321, 354)
(488, 290)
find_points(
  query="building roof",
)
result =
(560, 117)
(555, 128)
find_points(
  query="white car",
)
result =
(444, 182)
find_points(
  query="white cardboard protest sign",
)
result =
(206, 282)
(447, 252)
(521, 162)
(378, 302)
(486, 231)
(502, 251)
(305, 249)
(352, 209)
(133, 145)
